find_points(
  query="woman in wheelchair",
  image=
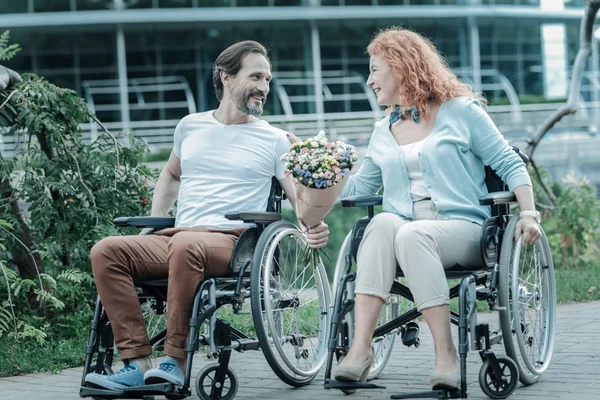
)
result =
(429, 154)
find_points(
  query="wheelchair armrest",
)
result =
(145, 222)
(495, 198)
(257, 217)
(362, 201)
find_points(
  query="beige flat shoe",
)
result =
(354, 373)
(445, 380)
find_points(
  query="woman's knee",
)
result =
(411, 237)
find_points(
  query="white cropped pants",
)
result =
(422, 248)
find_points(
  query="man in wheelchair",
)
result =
(429, 154)
(222, 161)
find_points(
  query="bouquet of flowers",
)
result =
(319, 169)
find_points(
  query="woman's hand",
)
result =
(317, 236)
(529, 228)
(292, 138)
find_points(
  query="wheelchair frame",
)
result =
(220, 338)
(494, 252)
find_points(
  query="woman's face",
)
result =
(382, 81)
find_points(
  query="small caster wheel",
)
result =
(204, 383)
(499, 388)
(106, 370)
(348, 391)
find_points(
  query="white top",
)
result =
(225, 168)
(412, 152)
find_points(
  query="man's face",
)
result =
(249, 88)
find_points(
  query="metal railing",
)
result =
(353, 127)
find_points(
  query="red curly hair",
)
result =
(422, 73)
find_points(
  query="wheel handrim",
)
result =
(300, 294)
(532, 313)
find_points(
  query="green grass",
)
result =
(49, 357)
(576, 285)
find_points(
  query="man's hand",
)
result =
(317, 236)
(530, 229)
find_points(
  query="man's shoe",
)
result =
(129, 376)
(167, 371)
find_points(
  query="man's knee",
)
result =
(103, 252)
(183, 248)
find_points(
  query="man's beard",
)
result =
(248, 105)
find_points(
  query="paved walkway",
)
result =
(574, 373)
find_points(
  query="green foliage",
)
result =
(58, 197)
(7, 51)
(573, 226)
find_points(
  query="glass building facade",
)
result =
(72, 42)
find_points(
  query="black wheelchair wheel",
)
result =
(290, 304)
(205, 381)
(383, 345)
(527, 296)
(499, 388)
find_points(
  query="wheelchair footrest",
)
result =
(335, 384)
(156, 389)
(433, 394)
(85, 391)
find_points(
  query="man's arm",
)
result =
(316, 236)
(167, 187)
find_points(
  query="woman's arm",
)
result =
(527, 225)
(367, 181)
(488, 144)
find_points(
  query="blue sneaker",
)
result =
(167, 371)
(130, 375)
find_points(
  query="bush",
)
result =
(57, 199)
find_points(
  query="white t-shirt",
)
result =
(418, 189)
(225, 168)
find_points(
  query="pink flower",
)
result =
(328, 175)
(304, 150)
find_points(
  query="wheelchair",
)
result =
(285, 295)
(514, 279)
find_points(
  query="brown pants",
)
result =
(185, 255)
